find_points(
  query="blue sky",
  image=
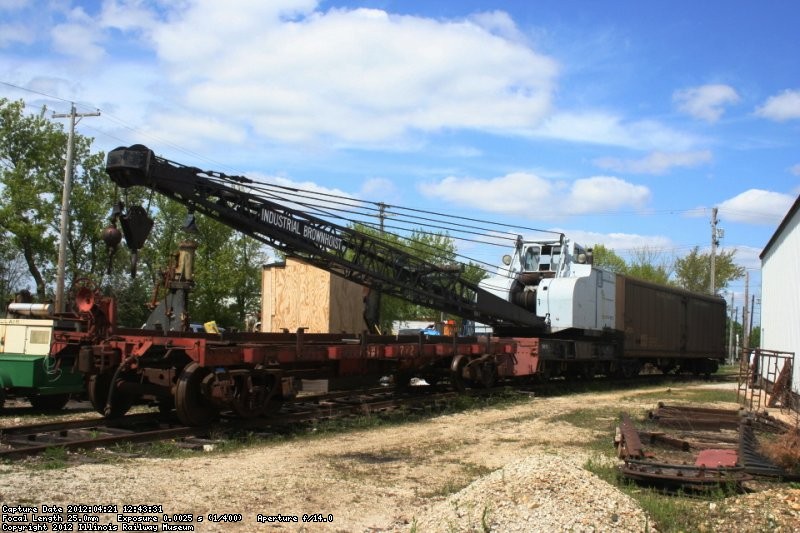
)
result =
(616, 122)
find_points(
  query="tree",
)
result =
(693, 272)
(228, 274)
(646, 263)
(12, 272)
(437, 248)
(607, 259)
(650, 265)
(32, 152)
(754, 340)
(227, 270)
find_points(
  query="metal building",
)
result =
(780, 290)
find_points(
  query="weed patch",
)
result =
(784, 451)
(678, 395)
(51, 459)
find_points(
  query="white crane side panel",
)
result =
(585, 302)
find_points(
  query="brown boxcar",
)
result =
(661, 322)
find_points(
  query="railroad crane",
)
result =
(553, 312)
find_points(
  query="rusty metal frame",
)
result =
(744, 460)
(765, 380)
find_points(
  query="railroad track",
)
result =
(84, 434)
(20, 441)
(96, 433)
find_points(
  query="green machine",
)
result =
(26, 366)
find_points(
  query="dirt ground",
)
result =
(384, 479)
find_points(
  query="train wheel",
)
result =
(49, 402)
(630, 369)
(486, 375)
(98, 389)
(666, 368)
(165, 405)
(457, 373)
(190, 406)
(402, 380)
(255, 392)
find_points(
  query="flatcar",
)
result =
(552, 313)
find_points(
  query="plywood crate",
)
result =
(295, 295)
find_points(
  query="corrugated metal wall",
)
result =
(780, 295)
(661, 321)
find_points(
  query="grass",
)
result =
(674, 395)
(670, 511)
(784, 450)
(601, 421)
(467, 473)
(52, 459)
(227, 443)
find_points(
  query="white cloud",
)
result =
(621, 243)
(127, 15)
(598, 127)
(795, 169)
(78, 37)
(379, 188)
(784, 106)
(12, 5)
(291, 72)
(517, 193)
(656, 162)
(705, 102)
(309, 197)
(604, 194)
(747, 256)
(305, 186)
(756, 206)
(499, 23)
(204, 128)
(15, 33)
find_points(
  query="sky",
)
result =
(622, 123)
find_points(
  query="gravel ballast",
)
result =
(518, 468)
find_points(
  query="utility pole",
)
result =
(716, 235)
(62, 245)
(382, 214)
(746, 311)
(731, 349)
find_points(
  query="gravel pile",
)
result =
(539, 493)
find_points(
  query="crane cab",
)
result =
(555, 279)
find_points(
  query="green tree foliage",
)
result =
(607, 259)
(32, 152)
(437, 248)
(132, 295)
(227, 268)
(693, 272)
(650, 265)
(12, 271)
(228, 274)
(737, 330)
(645, 263)
(754, 340)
